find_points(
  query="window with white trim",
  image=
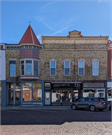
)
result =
(22, 67)
(95, 67)
(12, 68)
(81, 68)
(66, 67)
(29, 67)
(36, 68)
(52, 67)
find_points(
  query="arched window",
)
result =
(52, 67)
(66, 67)
(95, 67)
(81, 68)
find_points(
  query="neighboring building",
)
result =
(22, 85)
(109, 72)
(2, 69)
(73, 67)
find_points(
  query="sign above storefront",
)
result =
(74, 86)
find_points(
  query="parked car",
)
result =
(91, 103)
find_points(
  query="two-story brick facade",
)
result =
(22, 85)
(56, 72)
(73, 67)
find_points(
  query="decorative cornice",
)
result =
(75, 38)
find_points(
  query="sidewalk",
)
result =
(35, 107)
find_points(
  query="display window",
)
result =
(61, 96)
(109, 94)
(32, 91)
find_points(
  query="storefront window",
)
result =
(56, 97)
(37, 85)
(32, 92)
(27, 84)
(109, 94)
(17, 91)
(27, 94)
(89, 93)
(61, 96)
(37, 94)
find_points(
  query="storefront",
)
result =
(24, 93)
(94, 90)
(109, 91)
(62, 93)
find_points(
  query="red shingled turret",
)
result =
(29, 37)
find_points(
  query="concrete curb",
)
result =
(37, 108)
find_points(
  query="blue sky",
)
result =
(55, 18)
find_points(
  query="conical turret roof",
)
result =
(29, 37)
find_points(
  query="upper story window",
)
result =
(28, 67)
(95, 67)
(67, 68)
(1, 47)
(36, 68)
(81, 68)
(22, 67)
(52, 67)
(12, 68)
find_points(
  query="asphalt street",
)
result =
(52, 117)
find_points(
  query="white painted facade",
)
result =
(2, 62)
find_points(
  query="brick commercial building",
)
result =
(59, 71)
(22, 85)
(73, 67)
(109, 72)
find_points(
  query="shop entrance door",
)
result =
(11, 97)
(47, 98)
(14, 94)
(66, 97)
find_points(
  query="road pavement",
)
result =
(55, 122)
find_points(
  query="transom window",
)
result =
(52, 67)
(81, 68)
(12, 68)
(95, 67)
(67, 68)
